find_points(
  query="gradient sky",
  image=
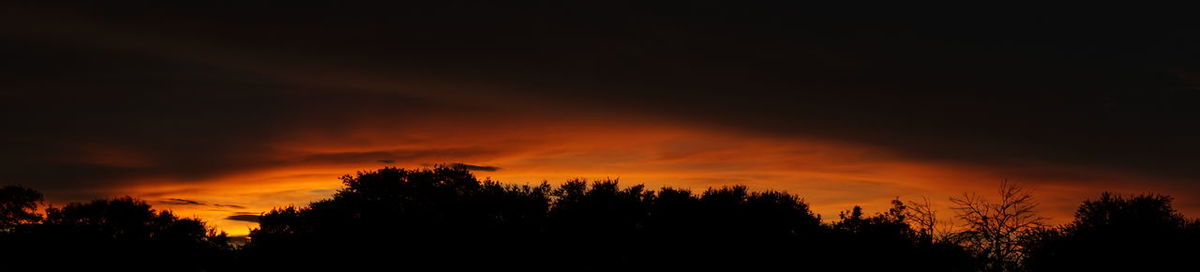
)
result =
(226, 109)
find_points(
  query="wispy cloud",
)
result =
(473, 167)
(244, 216)
(180, 201)
(190, 202)
(229, 206)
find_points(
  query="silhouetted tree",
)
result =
(440, 216)
(18, 214)
(604, 216)
(444, 216)
(118, 234)
(1113, 232)
(993, 230)
(892, 243)
(18, 206)
(737, 227)
(924, 218)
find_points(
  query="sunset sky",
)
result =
(220, 111)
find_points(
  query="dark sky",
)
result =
(106, 95)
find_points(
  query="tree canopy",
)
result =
(1115, 232)
(115, 234)
(446, 217)
(18, 205)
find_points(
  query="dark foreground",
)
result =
(444, 218)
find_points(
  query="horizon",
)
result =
(218, 110)
(221, 211)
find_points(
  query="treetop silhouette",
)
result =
(446, 217)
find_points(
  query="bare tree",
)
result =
(992, 230)
(924, 218)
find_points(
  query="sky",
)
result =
(222, 110)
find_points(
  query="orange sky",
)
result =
(830, 176)
(245, 117)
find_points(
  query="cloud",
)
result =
(229, 206)
(180, 201)
(247, 217)
(408, 155)
(473, 167)
(151, 108)
(189, 202)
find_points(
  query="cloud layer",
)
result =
(272, 104)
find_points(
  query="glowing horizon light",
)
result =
(831, 177)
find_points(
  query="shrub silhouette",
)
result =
(446, 217)
(18, 206)
(891, 243)
(441, 216)
(1114, 232)
(395, 219)
(117, 234)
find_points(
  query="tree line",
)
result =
(444, 217)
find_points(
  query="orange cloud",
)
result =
(248, 126)
(831, 176)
